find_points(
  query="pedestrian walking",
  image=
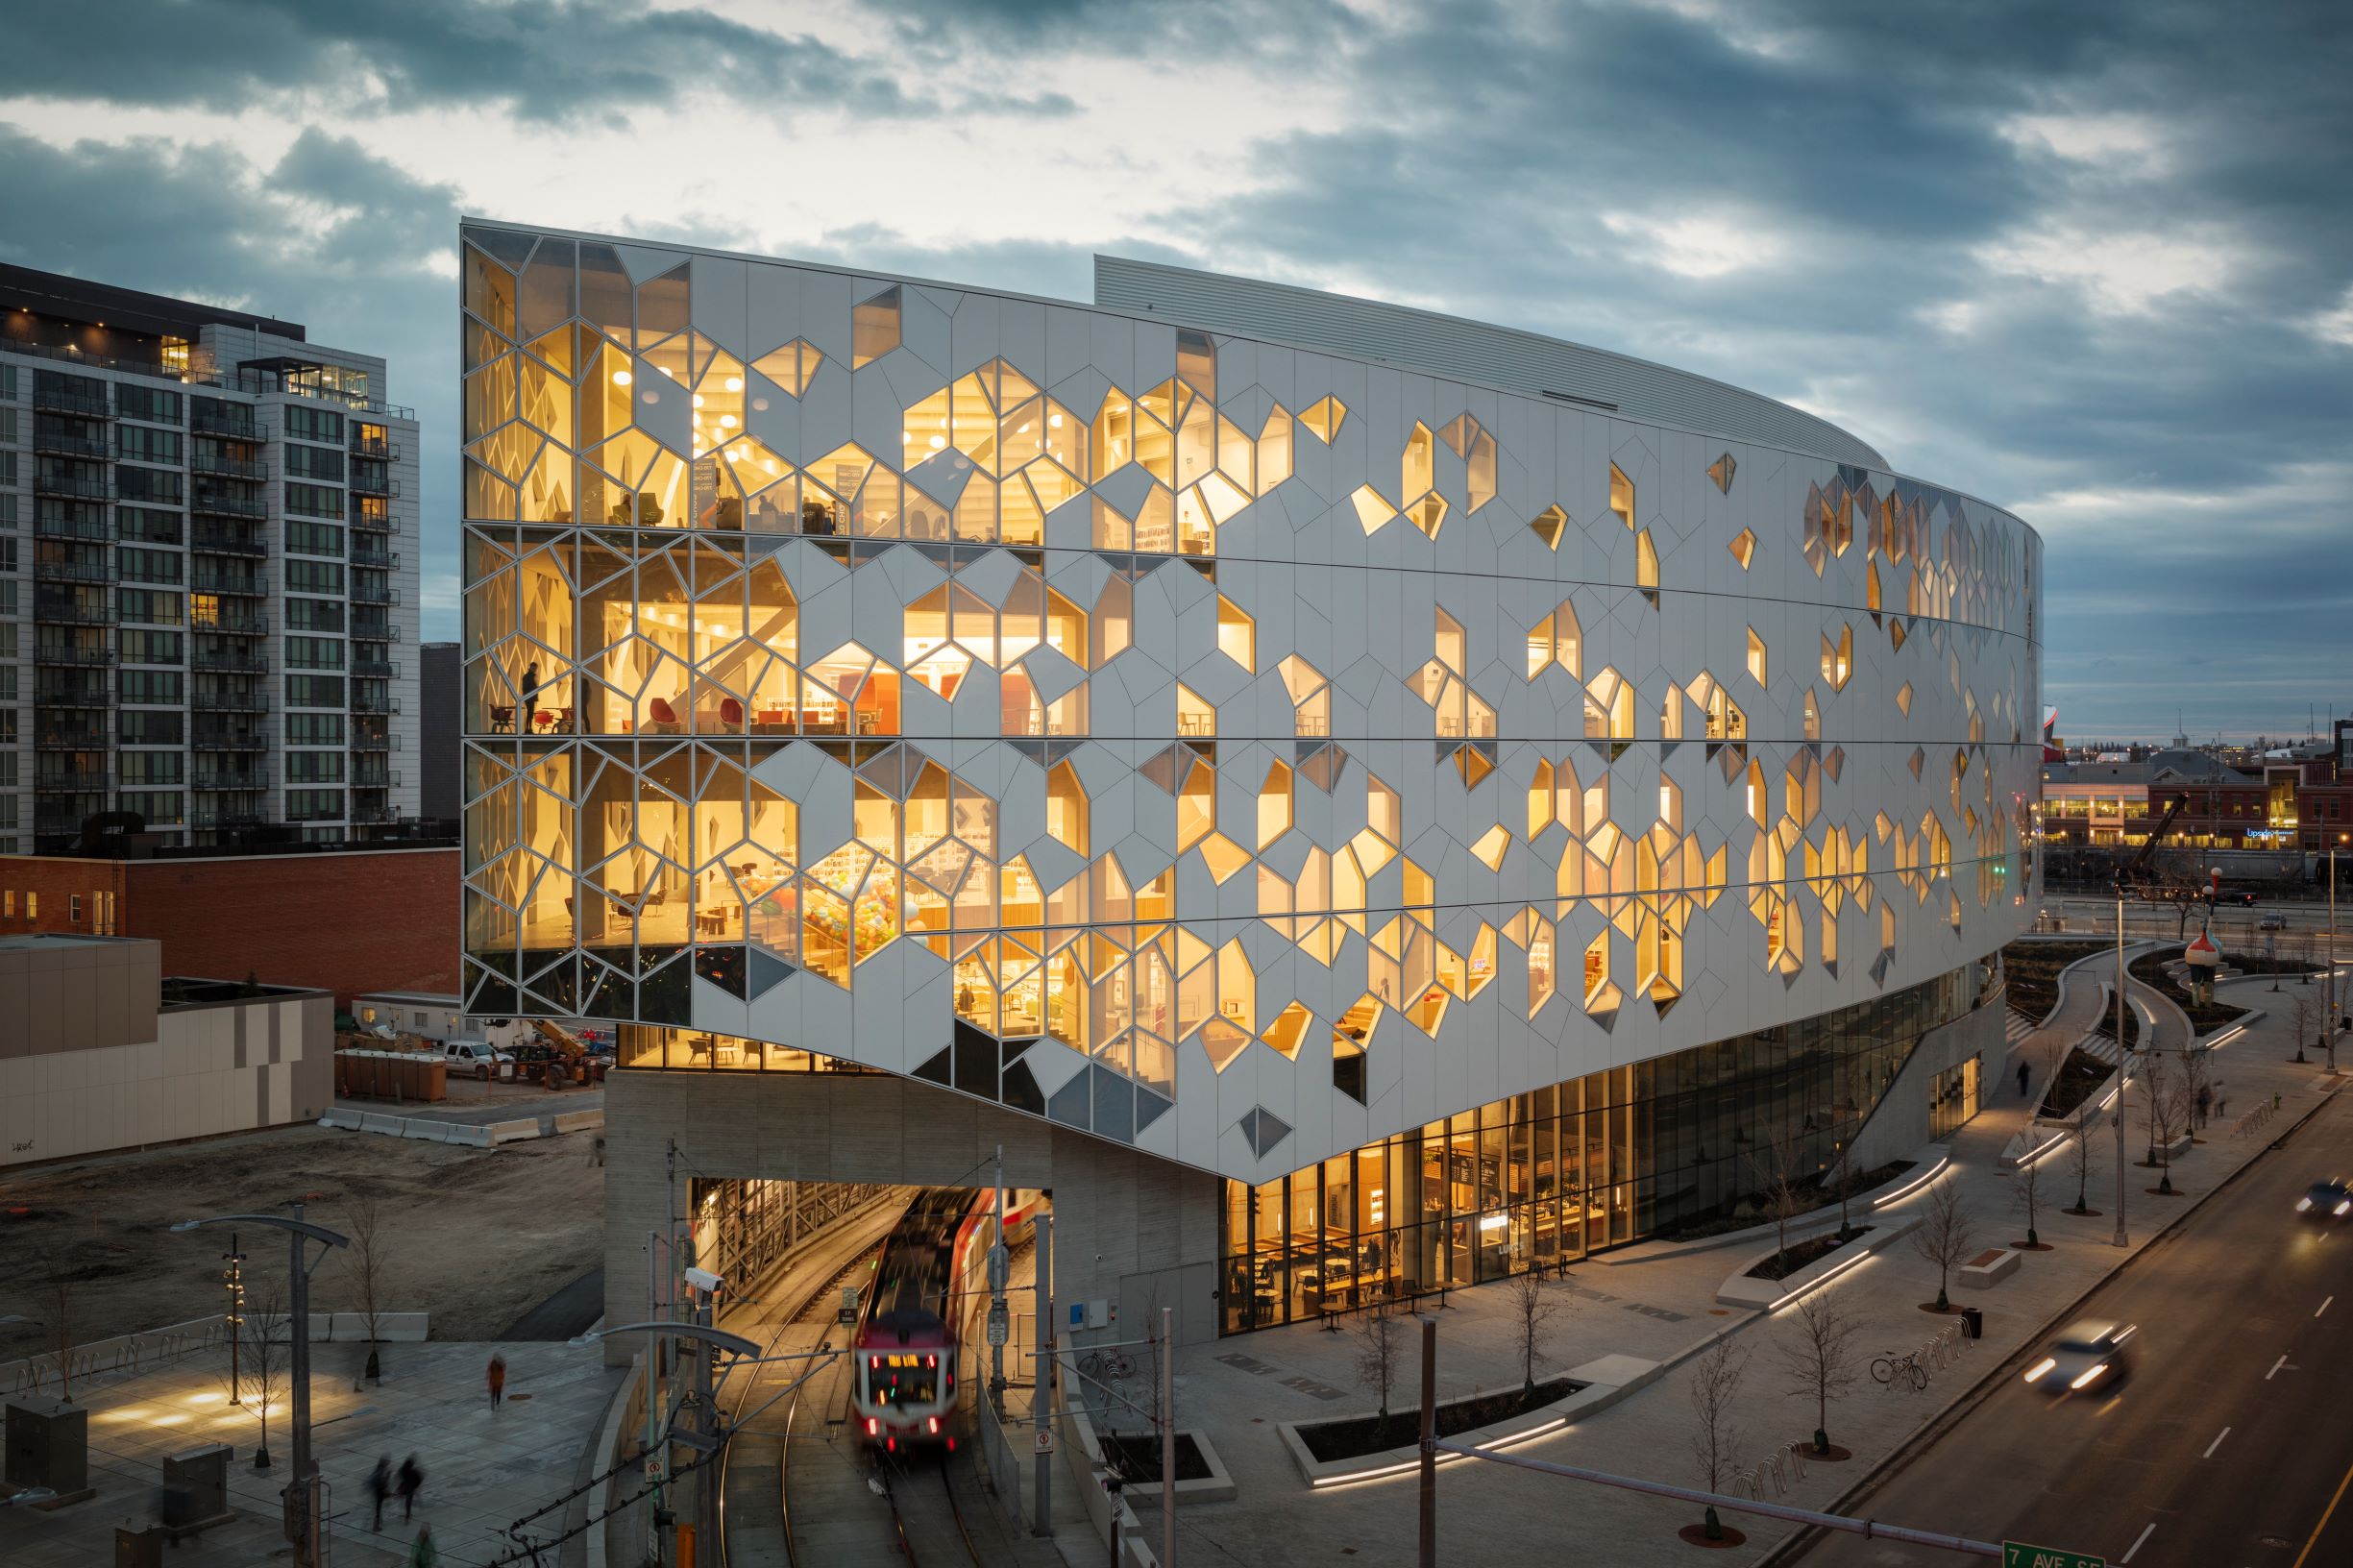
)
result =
(498, 1380)
(380, 1488)
(2022, 1080)
(412, 1481)
(426, 1554)
(2205, 1104)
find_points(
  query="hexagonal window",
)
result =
(1622, 495)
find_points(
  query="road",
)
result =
(2223, 1447)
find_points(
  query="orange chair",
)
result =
(731, 713)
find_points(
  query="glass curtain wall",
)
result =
(1543, 1178)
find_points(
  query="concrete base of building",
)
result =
(1132, 1233)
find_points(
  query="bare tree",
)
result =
(2026, 1194)
(2169, 1113)
(2303, 1012)
(2079, 1156)
(364, 1263)
(60, 1269)
(1947, 1233)
(267, 1350)
(1379, 1343)
(1818, 1355)
(1715, 1384)
(1778, 1190)
(1534, 1307)
(2157, 1102)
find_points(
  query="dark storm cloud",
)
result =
(2072, 260)
(552, 61)
(330, 236)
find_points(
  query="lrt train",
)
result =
(905, 1375)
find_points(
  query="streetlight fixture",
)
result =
(301, 1511)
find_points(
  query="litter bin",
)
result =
(1973, 1318)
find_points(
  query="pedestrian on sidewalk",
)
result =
(2022, 1080)
(2205, 1104)
(426, 1554)
(380, 1488)
(411, 1482)
(498, 1380)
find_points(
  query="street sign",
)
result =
(1000, 1326)
(654, 1469)
(1046, 1439)
(2019, 1555)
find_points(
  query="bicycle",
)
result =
(1101, 1364)
(1889, 1367)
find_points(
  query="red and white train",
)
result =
(904, 1373)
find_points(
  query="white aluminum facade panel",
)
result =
(1121, 720)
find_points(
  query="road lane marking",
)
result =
(2275, 1366)
(2322, 1308)
(2146, 1531)
(2217, 1443)
(2325, 1513)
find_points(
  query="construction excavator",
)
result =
(530, 1040)
(2138, 878)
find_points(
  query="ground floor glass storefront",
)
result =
(1544, 1177)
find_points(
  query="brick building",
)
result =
(345, 922)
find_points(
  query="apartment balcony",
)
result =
(230, 778)
(54, 734)
(227, 738)
(367, 741)
(51, 817)
(362, 521)
(223, 582)
(66, 400)
(374, 669)
(227, 466)
(84, 655)
(365, 481)
(75, 486)
(370, 593)
(373, 815)
(213, 540)
(234, 423)
(231, 661)
(369, 552)
(72, 570)
(51, 525)
(77, 781)
(236, 626)
(369, 703)
(230, 702)
(227, 503)
(51, 610)
(316, 814)
(219, 820)
(70, 438)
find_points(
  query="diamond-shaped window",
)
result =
(1743, 548)
(790, 366)
(874, 327)
(1325, 419)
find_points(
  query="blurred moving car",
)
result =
(2328, 1198)
(2087, 1353)
(2273, 922)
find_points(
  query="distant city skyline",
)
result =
(2089, 266)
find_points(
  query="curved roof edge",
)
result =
(1470, 351)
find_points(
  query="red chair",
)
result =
(663, 715)
(731, 713)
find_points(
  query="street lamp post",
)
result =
(2328, 1025)
(2124, 1071)
(233, 1278)
(302, 1513)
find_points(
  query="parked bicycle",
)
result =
(1890, 1368)
(1101, 1364)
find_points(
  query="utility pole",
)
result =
(234, 1280)
(1000, 1264)
(2124, 1071)
(1167, 1437)
(1428, 1555)
(1042, 1382)
(2328, 1027)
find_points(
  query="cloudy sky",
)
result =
(2092, 262)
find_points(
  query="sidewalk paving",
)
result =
(1662, 1309)
(483, 1469)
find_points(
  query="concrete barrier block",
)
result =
(348, 1121)
(473, 1137)
(377, 1121)
(579, 1121)
(429, 1132)
(512, 1132)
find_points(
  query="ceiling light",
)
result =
(735, 384)
(621, 378)
(726, 422)
(698, 399)
(938, 441)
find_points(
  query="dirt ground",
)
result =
(474, 1237)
